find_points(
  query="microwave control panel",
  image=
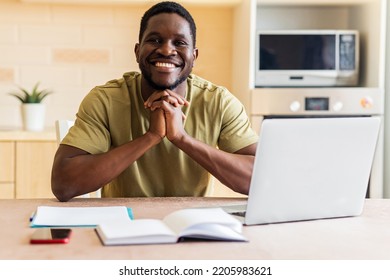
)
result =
(347, 52)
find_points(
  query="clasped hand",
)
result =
(166, 116)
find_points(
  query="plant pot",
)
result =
(33, 116)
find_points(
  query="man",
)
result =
(161, 132)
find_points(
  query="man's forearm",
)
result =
(77, 174)
(233, 170)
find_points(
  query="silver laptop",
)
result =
(310, 168)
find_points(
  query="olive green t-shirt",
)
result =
(114, 114)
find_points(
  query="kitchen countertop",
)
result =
(9, 134)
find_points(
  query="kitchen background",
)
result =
(72, 48)
(69, 46)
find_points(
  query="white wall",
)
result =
(387, 110)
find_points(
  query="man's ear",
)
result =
(195, 55)
(136, 51)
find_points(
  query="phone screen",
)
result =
(50, 235)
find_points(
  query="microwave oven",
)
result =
(307, 58)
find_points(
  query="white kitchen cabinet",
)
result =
(366, 16)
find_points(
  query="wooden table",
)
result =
(364, 237)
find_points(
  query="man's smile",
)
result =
(164, 65)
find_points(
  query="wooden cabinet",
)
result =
(33, 169)
(7, 169)
(26, 159)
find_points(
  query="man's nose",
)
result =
(167, 48)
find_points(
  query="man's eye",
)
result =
(180, 43)
(154, 41)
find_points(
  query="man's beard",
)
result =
(148, 78)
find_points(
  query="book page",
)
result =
(212, 232)
(143, 231)
(78, 216)
(186, 219)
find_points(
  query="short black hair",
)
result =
(170, 8)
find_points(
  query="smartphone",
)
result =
(51, 236)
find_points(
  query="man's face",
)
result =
(166, 53)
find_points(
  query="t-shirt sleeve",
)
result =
(236, 131)
(90, 131)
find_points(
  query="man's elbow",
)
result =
(242, 189)
(60, 191)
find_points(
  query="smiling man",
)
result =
(161, 132)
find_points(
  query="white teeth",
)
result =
(164, 64)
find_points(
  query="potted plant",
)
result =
(33, 110)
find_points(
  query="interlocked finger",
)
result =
(171, 100)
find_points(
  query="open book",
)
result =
(52, 216)
(199, 223)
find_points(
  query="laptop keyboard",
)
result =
(240, 213)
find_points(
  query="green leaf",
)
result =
(35, 96)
